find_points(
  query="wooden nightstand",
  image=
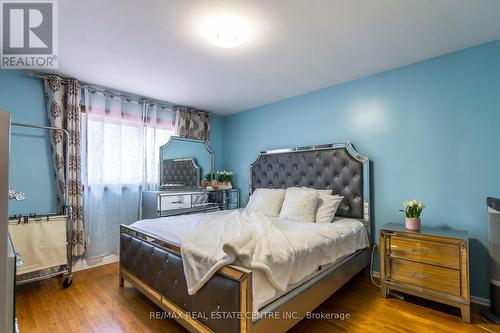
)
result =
(432, 263)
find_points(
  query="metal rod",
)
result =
(37, 126)
(42, 277)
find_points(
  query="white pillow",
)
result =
(328, 204)
(267, 201)
(299, 205)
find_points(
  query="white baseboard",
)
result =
(473, 299)
(480, 301)
(83, 264)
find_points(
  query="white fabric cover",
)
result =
(279, 254)
(41, 244)
(299, 205)
(328, 204)
(266, 201)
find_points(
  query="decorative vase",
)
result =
(412, 223)
(205, 183)
(215, 184)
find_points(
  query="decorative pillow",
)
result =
(267, 201)
(328, 204)
(299, 205)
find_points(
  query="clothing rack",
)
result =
(67, 210)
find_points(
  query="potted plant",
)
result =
(225, 178)
(412, 210)
(208, 179)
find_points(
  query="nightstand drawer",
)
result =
(437, 253)
(440, 279)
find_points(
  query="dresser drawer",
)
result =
(430, 277)
(437, 253)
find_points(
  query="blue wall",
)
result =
(432, 131)
(217, 140)
(30, 159)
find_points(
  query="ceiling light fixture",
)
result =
(226, 31)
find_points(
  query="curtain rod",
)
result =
(111, 91)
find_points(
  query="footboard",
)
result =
(155, 268)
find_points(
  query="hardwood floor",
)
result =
(95, 303)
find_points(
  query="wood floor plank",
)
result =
(95, 303)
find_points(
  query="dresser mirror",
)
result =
(183, 163)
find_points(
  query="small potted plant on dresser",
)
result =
(225, 179)
(412, 210)
(208, 180)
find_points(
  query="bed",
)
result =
(230, 301)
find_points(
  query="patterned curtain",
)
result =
(192, 123)
(63, 107)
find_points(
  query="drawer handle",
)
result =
(424, 251)
(421, 276)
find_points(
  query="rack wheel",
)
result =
(67, 282)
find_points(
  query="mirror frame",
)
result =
(173, 138)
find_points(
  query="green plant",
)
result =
(209, 176)
(225, 176)
(412, 208)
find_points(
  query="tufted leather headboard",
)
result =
(334, 166)
(180, 172)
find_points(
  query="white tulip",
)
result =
(420, 205)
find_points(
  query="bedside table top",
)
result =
(432, 231)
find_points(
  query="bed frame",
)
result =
(224, 303)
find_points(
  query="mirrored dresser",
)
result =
(176, 202)
(182, 164)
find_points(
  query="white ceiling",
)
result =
(154, 48)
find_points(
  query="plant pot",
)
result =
(225, 185)
(412, 223)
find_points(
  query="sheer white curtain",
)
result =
(158, 128)
(121, 137)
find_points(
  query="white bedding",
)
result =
(281, 253)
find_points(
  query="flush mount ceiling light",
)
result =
(226, 31)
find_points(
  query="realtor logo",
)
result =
(28, 34)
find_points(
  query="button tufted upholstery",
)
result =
(163, 271)
(180, 172)
(332, 168)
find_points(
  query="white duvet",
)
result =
(279, 252)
